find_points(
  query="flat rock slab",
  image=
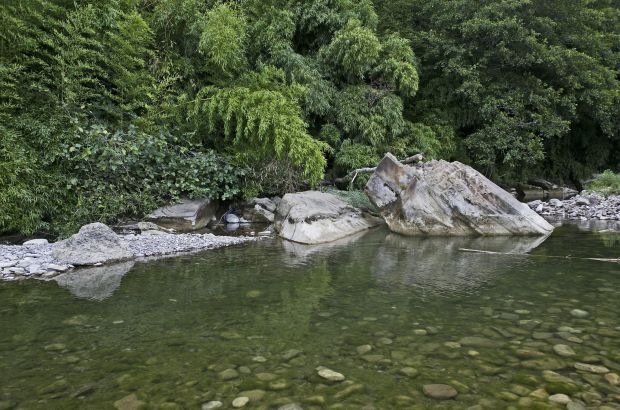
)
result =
(314, 217)
(439, 391)
(448, 198)
(187, 215)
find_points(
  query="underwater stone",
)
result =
(329, 374)
(439, 391)
(240, 402)
(578, 313)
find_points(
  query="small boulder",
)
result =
(314, 217)
(187, 215)
(94, 244)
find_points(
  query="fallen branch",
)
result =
(614, 260)
(353, 174)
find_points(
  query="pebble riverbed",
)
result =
(582, 207)
(34, 260)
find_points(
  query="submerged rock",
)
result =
(330, 375)
(447, 198)
(439, 391)
(95, 243)
(313, 217)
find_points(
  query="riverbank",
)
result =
(35, 259)
(582, 207)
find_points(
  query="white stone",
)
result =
(36, 242)
(330, 375)
(240, 402)
(560, 398)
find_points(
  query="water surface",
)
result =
(268, 313)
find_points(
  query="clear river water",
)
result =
(390, 313)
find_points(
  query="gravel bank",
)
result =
(581, 207)
(36, 261)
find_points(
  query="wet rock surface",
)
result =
(583, 207)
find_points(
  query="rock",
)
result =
(266, 377)
(228, 374)
(7, 264)
(129, 402)
(212, 405)
(564, 350)
(95, 243)
(591, 368)
(409, 371)
(560, 398)
(265, 203)
(349, 390)
(540, 208)
(290, 354)
(232, 219)
(314, 217)
(439, 391)
(34, 242)
(555, 202)
(329, 374)
(582, 201)
(578, 313)
(612, 378)
(253, 395)
(476, 341)
(57, 268)
(443, 198)
(573, 405)
(187, 215)
(240, 402)
(363, 349)
(290, 406)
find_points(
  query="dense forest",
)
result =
(109, 108)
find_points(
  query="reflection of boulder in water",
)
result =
(300, 254)
(436, 264)
(96, 283)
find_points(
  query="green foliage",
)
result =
(352, 155)
(223, 40)
(607, 183)
(528, 86)
(353, 51)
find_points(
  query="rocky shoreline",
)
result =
(582, 207)
(35, 259)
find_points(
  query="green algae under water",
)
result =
(261, 317)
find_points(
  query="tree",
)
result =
(527, 85)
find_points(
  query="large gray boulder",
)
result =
(447, 198)
(313, 217)
(188, 215)
(94, 243)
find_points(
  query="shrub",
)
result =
(607, 183)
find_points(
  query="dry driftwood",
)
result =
(616, 260)
(353, 174)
